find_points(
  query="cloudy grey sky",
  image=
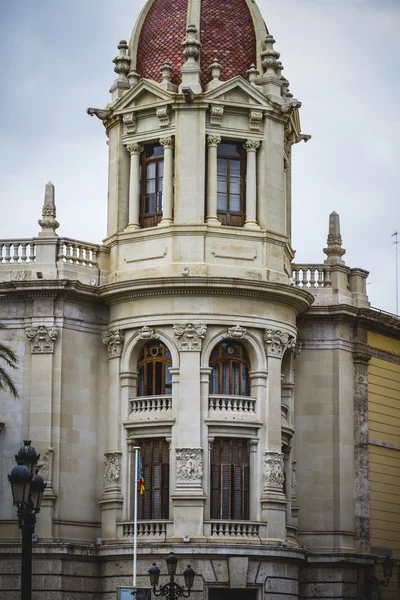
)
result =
(341, 57)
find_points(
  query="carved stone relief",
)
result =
(114, 339)
(190, 336)
(189, 465)
(277, 342)
(236, 333)
(130, 122)
(163, 115)
(112, 469)
(273, 469)
(216, 114)
(255, 120)
(42, 339)
(148, 334)
(45, 466)
(293, 481)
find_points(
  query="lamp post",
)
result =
(171, 590)
(373, 583)
(27, 490)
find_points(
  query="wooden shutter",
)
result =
(230, 480)
(155, 502)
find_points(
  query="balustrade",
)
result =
(76, 252)
(311, 276)
(145, 529)
(151, 404)
(234, 529)
(17, 251)
(242, 404)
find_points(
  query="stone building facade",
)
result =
(191, 333)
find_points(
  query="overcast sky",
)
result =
(341, 57)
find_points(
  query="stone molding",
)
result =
(42, 339)
(190, 336)
(273, 469)
(135, 148)
(189, 465)
(148, 334)
(112, 469)
(277, 342)
(114, 340)
(213, 141)
(236, 333)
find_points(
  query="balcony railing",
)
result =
(311, 276)
(146, 529)
(234, 529)
(77, 253)
(17, 251)
(239, 404)
(145, 404)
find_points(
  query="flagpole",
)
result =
(137, 450)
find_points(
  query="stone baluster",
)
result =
(251, 148)
(168, 190)
(213, 141)
(134, 185)
(7, 256)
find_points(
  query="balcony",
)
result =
(147, 530)
(231, 408)
(151, 408)
(245, 531)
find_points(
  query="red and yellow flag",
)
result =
(141, 476)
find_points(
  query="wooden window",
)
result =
(231, 170)
(154, 370)
(152, 179)
(230, 370)
(154, 504)
(230, 480)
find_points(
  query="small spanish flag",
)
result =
(141, 476)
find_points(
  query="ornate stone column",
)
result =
(188, 496)
(213, 141)
(168, 144)
(111, 502)
(134, 184)
(273, 499)
(251, 148)
(43, 340)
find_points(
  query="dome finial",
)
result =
(216, 69)
(253, 73)
(191, 72)
(122, 67)
(270, 57)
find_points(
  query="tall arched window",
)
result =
(230, 370)
(153, 366)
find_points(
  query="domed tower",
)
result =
(202, 311)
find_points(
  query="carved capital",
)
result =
(189, 465)
(114, 339)
(236, 333)
(148, 334)
(190, 336)
(213, 141)
(167, 142)
(45, 466)
(216, 114)
(273, 469)
(135, 148)
(251, 146)
(42, 339)
(277, 342)
(112, 469)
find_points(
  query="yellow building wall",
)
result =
(384, 428)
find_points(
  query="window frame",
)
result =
(229, 217)
(223, 481)
(243, 360)
(150, 219)
(165, 359)
(147, 510)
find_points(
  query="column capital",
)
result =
(42, 339)
(213, 141)
(135, 148)
(114, 340)
(167, 142)
(277, 342)
(190, 336)
(251, 145)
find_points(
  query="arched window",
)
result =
(230, 370)
(153, 366)
(230, 479)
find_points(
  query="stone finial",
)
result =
(253, 73)
(191, 45)
(123, 61)
(334, 250)
(270, 57)
(166, 70)
(285, 88)
(279, 69)
(216, 69)
(48, 222)
(133, 77)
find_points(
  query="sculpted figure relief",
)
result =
(112, 469)
(273, 469)
(189, 464)
(277, 341)
(42, 339)
(114, 340)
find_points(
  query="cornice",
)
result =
(73, 290)
(297, 299)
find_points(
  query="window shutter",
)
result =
(215, 491)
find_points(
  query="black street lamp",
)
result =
(27, 490)
(373, 582)
(171, 590)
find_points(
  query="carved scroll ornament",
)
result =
(42, 339)
(277, 342)
(190, 336)
(114, 340)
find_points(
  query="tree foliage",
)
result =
(8, 360)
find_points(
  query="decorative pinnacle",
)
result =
(123, 61)
(334, 251)
(253, 73)
(48, 221)
(270, 57)
(166, 70)
(191, 46)
(279, 69)
(216, 69)
(133, 77)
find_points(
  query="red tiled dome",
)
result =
(226, 33)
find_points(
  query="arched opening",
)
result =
(230, 370)
(154, 370)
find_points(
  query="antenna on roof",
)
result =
(396, 243)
